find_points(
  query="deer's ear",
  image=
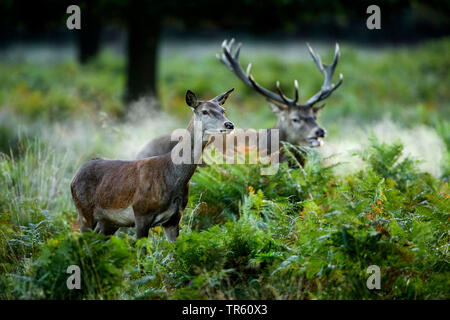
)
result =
(318, 108)
(191, 99)
(277, 108)
(221, 98)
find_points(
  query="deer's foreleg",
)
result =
(105, 228)
(143, 224)
(172, 227)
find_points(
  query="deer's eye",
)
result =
(205, 112)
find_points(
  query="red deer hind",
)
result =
(109, 194)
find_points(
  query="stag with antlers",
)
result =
(297, 122)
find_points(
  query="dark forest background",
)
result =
(143, 22)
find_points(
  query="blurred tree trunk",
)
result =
(144, 27)
(89, 38)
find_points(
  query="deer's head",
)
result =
(299, 125)
(210, 113)
(297, 122)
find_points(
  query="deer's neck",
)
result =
(282, 131)
(194, 144)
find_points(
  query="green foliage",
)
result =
(317, 243)
(102, 263)
(64, 89)
(384, 160)
(302, 233)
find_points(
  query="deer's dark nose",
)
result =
(229, 125)
(320, 133)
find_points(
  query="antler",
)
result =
(327, 71)
(231, 60)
